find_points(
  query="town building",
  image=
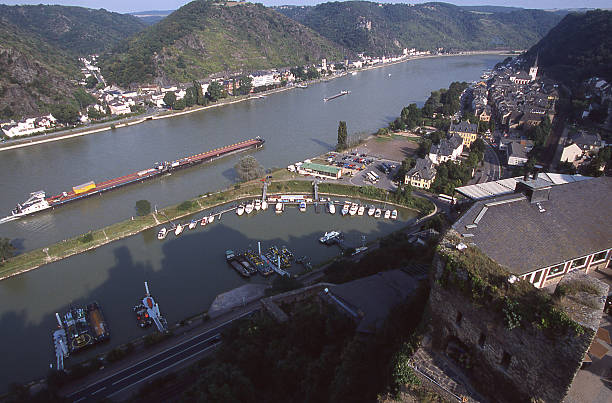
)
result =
(588, 142)
(319, 170)
(447, 150)
(517, 154)
(571, 153)
(466, 130)
(422, 175)
(544, 231)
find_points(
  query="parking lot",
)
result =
(356, 167)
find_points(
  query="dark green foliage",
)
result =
(579, 47)
(6, 249)
(248, 168)
(425, 26)
(186, 205)
(342, 135)
(179, 105)
(299, 73)
(411, 116)
(143, 207)
(83, 98)
(67, 113)
(170, 99)
(215, 91)
(91, 82)
(78, 30)
(312, 73)
(86, 238)
(245, 85)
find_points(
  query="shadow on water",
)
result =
(323, 144)
(184, 274)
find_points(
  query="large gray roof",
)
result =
(513, 232)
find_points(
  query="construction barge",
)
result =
(79, 329)
(38, 201)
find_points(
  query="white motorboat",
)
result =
(36, 202)
(394, 215)
(378, 213)
(211, 218)
(240, 210)
(257, 205)
(387, 213)
(249, 208)
(193, 224)
(162, 233)
(345, 208)
(303, 206)
(331, 207)
(264, 205)
(371, 210)
(279, 208)
(204, 221)
(329, 236)
(353, 209)
(179, 228)
(361, 210)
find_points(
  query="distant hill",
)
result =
(78, 30)
(33, 73)
(39, 50)
(151, 17)
(387, 28)
(205, 37)
(579, 47)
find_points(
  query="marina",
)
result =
(188, 275)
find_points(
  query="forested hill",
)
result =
(33, 73)
(205, 37)
(579, 47)
(388, 28)
(77, 30)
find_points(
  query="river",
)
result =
(186, 273)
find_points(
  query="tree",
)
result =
(91, 82)
(312, 73)
(200, 99)
(143, 207)
(191, 96)
(180, 104)
(93, 113)
(67, 113)
(215, 91)
(298, 73)
(411, 116)
(245, 85)
(342, 135)
(248, 168)
(170, 99)
(6, 249)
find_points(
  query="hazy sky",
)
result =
(142, 5)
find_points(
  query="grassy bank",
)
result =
(96, 238)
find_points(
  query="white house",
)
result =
(448, 150)
(571, 153)
(118, 108)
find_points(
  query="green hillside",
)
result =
(205, 37)
(33, 73)
(75, 29)
(388, 28)
(578, 48)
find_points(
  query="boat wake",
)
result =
(7, 219)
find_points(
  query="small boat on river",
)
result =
(179, 228)
(345, 208)
(303, 206)
(240, 210)
(361, 210)
(387, 213)
(264, 205)
(279, 208)
(248, 208)
(353, 209)
(257, 205)
(193, 224)
(211, 218)
(331, 207)
(371, 210)
(204, 221)
(162, 233)
(394, 215)
(378, 213)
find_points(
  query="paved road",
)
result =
(124, 379)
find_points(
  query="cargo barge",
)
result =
(79, 329)
(38, 201)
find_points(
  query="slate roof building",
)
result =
(447, 149)
(468, 131)
(544, 231)
(422, 175)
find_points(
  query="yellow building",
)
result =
(468, 132)
(422, 175)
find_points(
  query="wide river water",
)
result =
(185, 274)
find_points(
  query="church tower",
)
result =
(533, 71)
